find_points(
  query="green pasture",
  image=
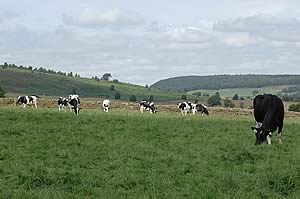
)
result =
(47, 154)
(23, 82)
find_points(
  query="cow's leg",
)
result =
(280, 132)
(194, 111)
(59, 108)
(142, 109)
(35, 105)
(269, 138)
(24, 105)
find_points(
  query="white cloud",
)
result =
(268, 26)
(5, 16)
(239, 39)
(98, 18)
(152, 50)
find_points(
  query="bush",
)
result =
(235, 97)
(151, 98)
(183, 97)
(228, 103)
(115, 81)
(198, 94)
(214, 100)
(132, 98)
(112, 88)
(117, 95)
(294, 107)
(2, 93)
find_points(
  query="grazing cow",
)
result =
(105, 105)
(62, 103)
(199, 108)
(74, 102)
(269, 114)
(185, 107)
(146, 105)
(28, 100)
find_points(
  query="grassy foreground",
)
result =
(46, 154)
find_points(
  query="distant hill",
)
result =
(18, 81)
(189, 83)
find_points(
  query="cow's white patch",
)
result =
(269, 139)
(105, 105)
(258, 124)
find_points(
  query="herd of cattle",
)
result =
(268, 111)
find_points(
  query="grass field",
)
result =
(23, 82)
(46, 154)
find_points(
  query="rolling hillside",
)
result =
(190, 83)
(17, 81)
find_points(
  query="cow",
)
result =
(269, 115)
(147, 105)
(62, 103)
(74, 102)
(188, 107)
(200, 108)
(105, 105)
(30, 100)
(185, 107)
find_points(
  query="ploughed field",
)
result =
(47, 154)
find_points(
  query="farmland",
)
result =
(23, 82)
(122, 154)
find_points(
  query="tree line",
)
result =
(38, 69)
(215, 82)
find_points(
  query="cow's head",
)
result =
(181, 106)
(261, 135)
(19, 99)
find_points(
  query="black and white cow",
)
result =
(188, 107)
(269, 115)
(185, 107)
(62, 103)
(146, 105)
(74, 102)
(200, 108)
(106, 105)
(30, 100)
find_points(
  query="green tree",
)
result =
(106, 76)
(294, 107)
(235, 97)
(112, 88)
(74, 91)
(228, 103)
(151, 98)
(2, 92)
(214, 100)
(117, 95)
(132, 98)
(183, 97)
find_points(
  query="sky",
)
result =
(141, 42)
